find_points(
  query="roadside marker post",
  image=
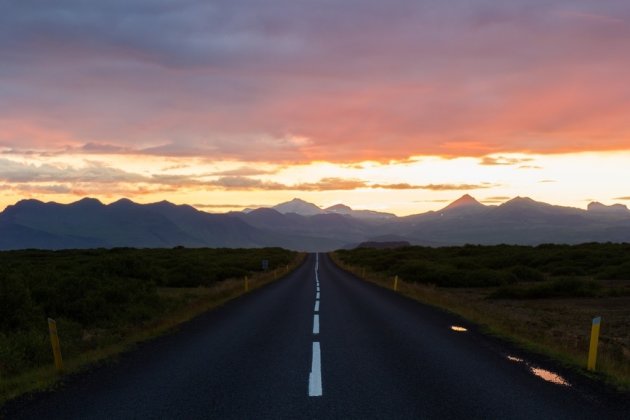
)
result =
(396, 284)
(592, 352)
(56, 347)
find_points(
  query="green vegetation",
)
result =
(107, 298)
(485, 266)
(543, 297)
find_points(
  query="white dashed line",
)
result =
(315, 378)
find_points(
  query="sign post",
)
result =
(56, 347)
(592, 352)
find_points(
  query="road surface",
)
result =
(322, 344)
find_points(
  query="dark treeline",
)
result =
(95, 294)
(560, 269)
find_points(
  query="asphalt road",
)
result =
(357, 352)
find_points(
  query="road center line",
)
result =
(317, 295)
(317, 306)
(315, 324)
(315, 378)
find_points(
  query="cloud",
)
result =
(94, 148)
(495, 200)
(332, 184)
(547, 181)
(434, 187)
(622, 198)
(288, 81)
(244, 171)
(502, 161)
(325, 184)
(592, 17)
(17, 172)
(37, 189)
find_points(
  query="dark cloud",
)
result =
(358, 79)
(16, 172)
(38, 189)
(94, 148)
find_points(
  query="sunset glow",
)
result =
(397, 106)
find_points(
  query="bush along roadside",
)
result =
(105, 301)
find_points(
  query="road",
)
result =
(351, 350)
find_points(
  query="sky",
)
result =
(398, 105)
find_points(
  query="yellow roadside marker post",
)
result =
(592, 352)
(56, 347)
(396, 284)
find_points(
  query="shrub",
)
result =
(523, 273)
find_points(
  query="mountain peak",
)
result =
(598, 207)
(465, 201)
(87, 201)
(337, 208)
(523, 201)
(298, 206)
(122, 202)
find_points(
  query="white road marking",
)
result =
(315, 378)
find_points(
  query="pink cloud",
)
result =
(357, 80)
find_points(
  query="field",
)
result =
(542, 297)
(105, 300)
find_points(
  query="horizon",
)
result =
(396, 107)
(271, 206)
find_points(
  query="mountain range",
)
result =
(300, 225)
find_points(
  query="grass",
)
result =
(184, 304)
(556, 325)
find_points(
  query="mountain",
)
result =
(298, 206)
(359, 214)
(464, 202)
(303, 226)
(613, 210)
(339, 229)
(517, 221)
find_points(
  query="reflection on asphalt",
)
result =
(541, 373)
